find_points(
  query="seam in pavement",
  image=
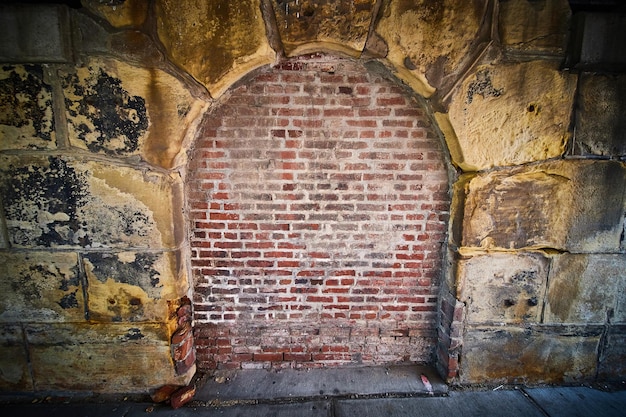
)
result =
(533, 402)
(217, 403)
(332, 412)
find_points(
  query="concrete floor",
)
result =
(348, 392)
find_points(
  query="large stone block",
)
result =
(40, 287)
(585, 289)
(422, 53)
(536, 27)
(133, 286)
(26, 119)
(306, 25)
(508, 114)
(600, 121)
(34, 33)
(123, 111)
(216, 42)
(570, 205)
(503, 287)
(529, 355)
(101, 358)
(63, 202)
(14, 367)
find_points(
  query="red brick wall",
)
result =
(318, 200)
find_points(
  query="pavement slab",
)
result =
(300, 409)
(458, 404)
(579, 402)
(289, 384)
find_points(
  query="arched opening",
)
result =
(319, 204)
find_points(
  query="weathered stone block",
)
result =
(121, 13)
(307, 26)
(4, 236)
(423, 54)
(14, 371)
(600, 122)
(503, 287)
(538, 27)
(89, 35)
(101, 358)
(133, 286)
(34, 33)
(40, 287)
(612, 364)
(26, 119)
(529, 355)
(577, 206)
(509, 114)
(585, 288)
(53, 201)
(216, 42)
(598, 40)
(123, 111)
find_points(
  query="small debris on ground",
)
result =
(427, 384)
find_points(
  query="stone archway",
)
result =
(318, 193)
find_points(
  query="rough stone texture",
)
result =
(14, 368)
(598, 40)
(26, 120)
(34, 34)
(134, 46)
(4, 236)
(121, 358)
(138, 48)
(509, 114)
(89, 36)
(586, 289)
(51, 202)
(619, 315)
(534, 354)
(132, 286)
(216, 42)
(40, 287)
(612, 364)
(534, 27)
(576, 206)
(306, 26)
(119, 13)
(600, 122)
(424, 55)
(503, 287)
(121, 111)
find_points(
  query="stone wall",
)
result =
(99, 106)
(94, 261)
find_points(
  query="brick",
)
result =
(185, 365)
(181, 350)
(182, 396)
(164, 393)
(268, 357)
